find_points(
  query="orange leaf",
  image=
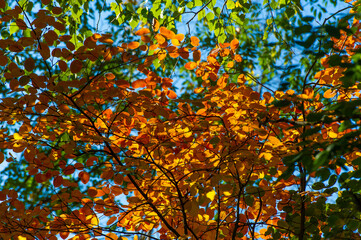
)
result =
(194, 41)
(122, 83)
(107, 55)
(161, 54)
(179, 37)
(64, 235)
(142, 31)
(76, 66)
(160, 39)
(155, 25)
(112, 236)
(167, 33)
(238, 58)
(140, 83)
(106, 39)
(96, 36)
(110, 76)
(234, 44)
(171, 94)
(222, 81)
(133, 45)
(329, 93)
(190, 65)
(230, 64)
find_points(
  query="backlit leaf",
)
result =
(194, 41)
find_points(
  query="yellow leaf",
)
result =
(94, 220)
(17, 136)
(266, 155)
(332, 134)
(274, 141)
(22, 238)
(211, 195)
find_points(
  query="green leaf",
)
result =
(290, 12)
(13, 28)
(210, 16)
(287, 174)
(318, 185)
(333, 31)
(230, 4)
(201, 15)
(231, 30)
(323, 173)
(334, 60)
(190, 5)
(314, 117)
(332, 180)
(249, 200)
(134, 23)
(345, 125)
(321, 159)
(303, 29)
(222, 38)
(198, 3)
(281, 103)
(214, 141)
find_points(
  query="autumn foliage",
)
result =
(119, 153)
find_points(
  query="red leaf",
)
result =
(58, 181)
(84, 177)
(76, 66)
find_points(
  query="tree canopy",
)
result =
(170, 119)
